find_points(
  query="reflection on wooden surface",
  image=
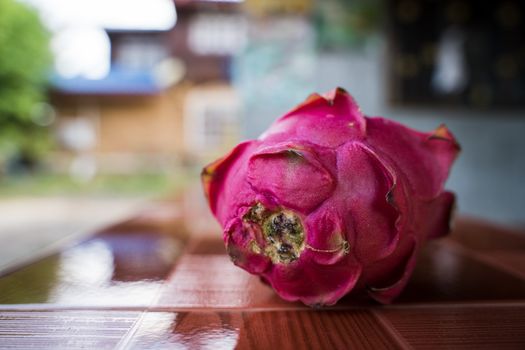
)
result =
(121, 266)
(157, 281)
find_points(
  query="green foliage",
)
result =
(137, 184)
(25, 59)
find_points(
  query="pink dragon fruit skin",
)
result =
(328, 201)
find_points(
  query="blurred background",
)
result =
(105, 105)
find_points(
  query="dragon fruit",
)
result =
(329, 201)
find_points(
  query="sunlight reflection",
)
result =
(87, 277)
(163, 330)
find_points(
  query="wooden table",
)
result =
(152, 283)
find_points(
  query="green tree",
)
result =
(25, 60)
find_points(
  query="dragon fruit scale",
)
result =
(329, 201)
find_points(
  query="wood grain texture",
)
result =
(212, 281)
(490, 327)
(485, 236)
(447, 275)
(143, 284)
(64, 329)
(187, 330)
(350, 329)
(307, 329)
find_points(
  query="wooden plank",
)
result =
(64, 329)
(213, 281)
(459, 297)
(512, 260)
(351, 329)
(481, 236)
(481, 327)
(307, 329)
(186, 330)
(442, 275)
(111, 269)
(446, 275)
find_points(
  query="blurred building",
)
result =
(166, 100)
(170, 96)
(458, 62)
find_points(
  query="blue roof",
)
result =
(117, 82)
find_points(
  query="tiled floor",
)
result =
(149, 284)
